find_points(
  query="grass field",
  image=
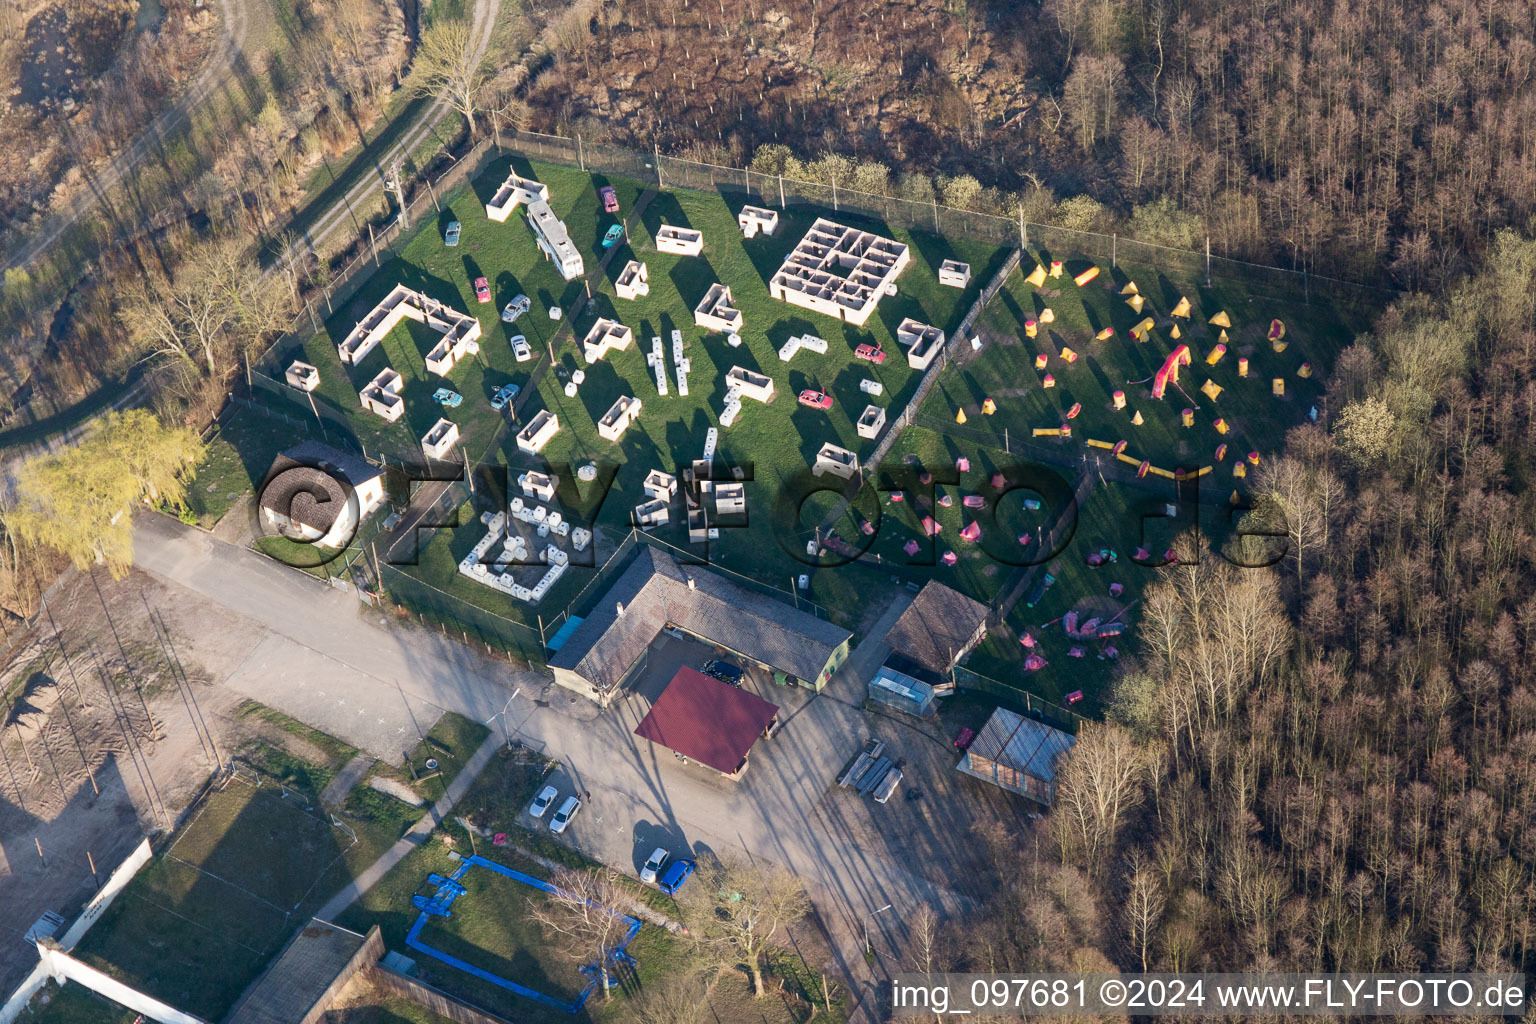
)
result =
(449, 743)
(1256, 420)
(493, 928)
(74, 1004)
(238, 457)
(482, 931)
(778, 441)
(198, 922)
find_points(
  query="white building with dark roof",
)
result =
(319, 494)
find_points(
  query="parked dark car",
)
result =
(724, 671)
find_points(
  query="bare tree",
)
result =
(582, 913)
(1144, 902)
(737, 908)
(447, 66)
(1099, 784)
(215, 304)
(679, 998)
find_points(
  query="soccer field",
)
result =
(198, 923)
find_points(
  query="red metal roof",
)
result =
(706, 720)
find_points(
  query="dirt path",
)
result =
(369, 876)
(483, 26)
(350, 775)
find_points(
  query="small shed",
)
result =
(902, 692)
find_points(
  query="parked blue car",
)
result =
(615, 233)
(451, 236)
(503, 395)
(445, 397)
(676, 874)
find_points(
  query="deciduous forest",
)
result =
(1329, 765)
(1364, 139)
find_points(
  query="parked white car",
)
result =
(516, 308)
(542, 801)
(520, 350)
(653, 864)
(564, 815)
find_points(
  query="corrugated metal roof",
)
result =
(1032, 747)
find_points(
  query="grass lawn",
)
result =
(493, 928)
(74, 1004)
(1256, 420)
(449, 744)
(1120, 515)
(237, 458)
(774, 444)
(485, 930)
(779, 440)
(197, 924)
(201, 920)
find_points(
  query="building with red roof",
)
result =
(708, 721)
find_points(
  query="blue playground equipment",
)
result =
(449, 889)
(438, 904)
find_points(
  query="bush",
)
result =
(1161, 222)
(1080, 213)
(961, 192)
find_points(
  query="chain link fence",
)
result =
(1035, 706)
(379, 242)
(457, 618)
(776, 190)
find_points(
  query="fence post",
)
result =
(374, 245)
(657, 149)
(834, 193)
(1023, 236)
(782, 204)
(935, 214)
(1207, 261)
(1114, 253)
(581, 161)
